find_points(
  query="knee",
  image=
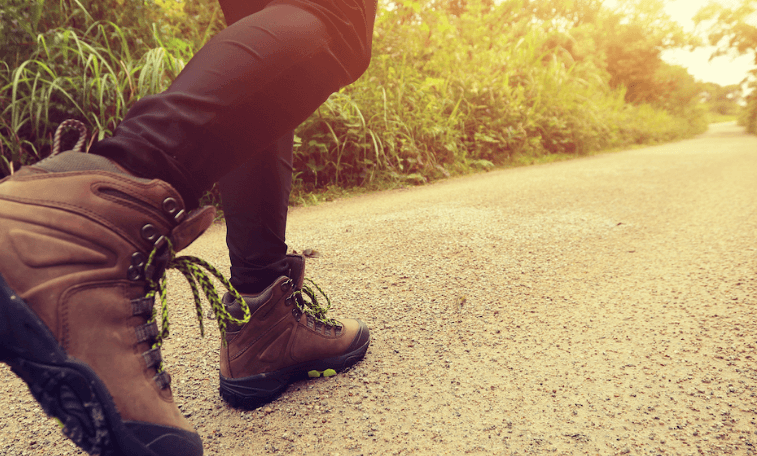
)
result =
(362, 19)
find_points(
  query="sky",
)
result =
(725, 70)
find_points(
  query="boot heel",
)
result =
(68, 396)
(6, 321)
(63, 389)
(22, 333)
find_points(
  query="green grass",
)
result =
(71, 75)
(713, 117)
(444, 96)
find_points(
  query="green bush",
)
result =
(748, 115)
(87, 77)
(447, 92)
(455, 93)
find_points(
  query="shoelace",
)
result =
(192, 269)
(311, 306)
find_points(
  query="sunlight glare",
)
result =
(725, 70)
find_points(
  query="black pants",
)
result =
(255, 201)
(230, 114)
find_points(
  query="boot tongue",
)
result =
(192, 227)
(296, 265)
(70, 161)
(235, 309)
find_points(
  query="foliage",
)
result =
(732, 30)
(22, 22)
(453, 87)
(84, 66)
(75, 76)
(480, 87)
(566, 15)
(722, 100)
(632, 38)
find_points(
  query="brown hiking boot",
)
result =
(286, 339)
(84, 251)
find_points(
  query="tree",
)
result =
(731, 30)
(722, 99)
(568, 14)
(681, 91)
(633, 37)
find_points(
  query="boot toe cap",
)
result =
(362, 337)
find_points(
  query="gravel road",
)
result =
(604, 305)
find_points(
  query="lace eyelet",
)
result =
(133, 273)
(150, 233)
(170, 206)
(138, 259)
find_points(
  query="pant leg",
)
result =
(252, 83)
(234, 10)
(255, 200)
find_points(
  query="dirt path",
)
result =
(605, 305)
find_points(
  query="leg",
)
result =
(255, 200)
(89, 236)
(252, 83)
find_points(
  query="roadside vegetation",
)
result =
(732, 29)
(455, 86)
(722, 103)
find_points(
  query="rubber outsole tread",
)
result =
(252, 392)
(67, 389)
(67, 395)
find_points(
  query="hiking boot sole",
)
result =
(67, 389)
(256, 390)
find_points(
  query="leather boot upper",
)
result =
(280, 334)
(74, 248)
